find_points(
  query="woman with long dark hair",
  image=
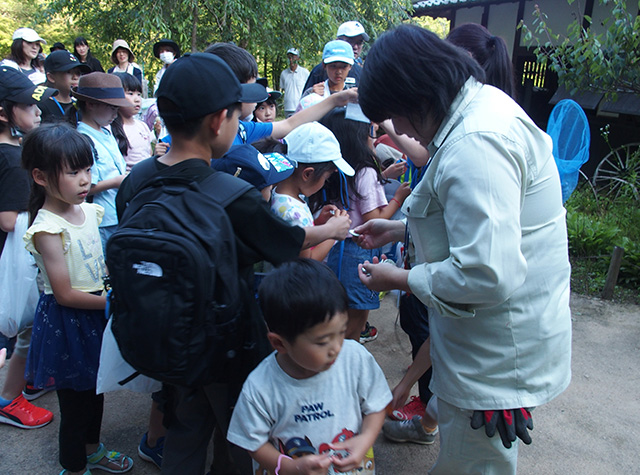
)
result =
(489, 51)
(82, 51)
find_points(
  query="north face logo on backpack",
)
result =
(148, 268)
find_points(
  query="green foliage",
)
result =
(594, 228)
(608, 62)
(589, 236)
(439, 26)
(630, 269)
(266, 28)
(27, 13)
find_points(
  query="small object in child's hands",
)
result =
(365, 271)
(353, 233)
(387, 261)
(332, 212)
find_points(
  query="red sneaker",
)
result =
(415, 407)
(21, 413)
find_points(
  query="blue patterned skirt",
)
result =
(65, 346)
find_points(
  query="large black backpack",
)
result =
(176, 302)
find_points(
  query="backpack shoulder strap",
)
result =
(142, 172)
(224, 188)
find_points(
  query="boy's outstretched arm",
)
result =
(315, 112)
(357, 446)
(267, 456)
(335, 228)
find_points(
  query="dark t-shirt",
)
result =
(318, 74)
(53, 110)
(14, 183)
(260, 236)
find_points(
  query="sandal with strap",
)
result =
(112, 457)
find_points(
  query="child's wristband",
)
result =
(280, 457)
(399, 204)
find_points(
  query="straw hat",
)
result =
(124, 45)
(101, 87)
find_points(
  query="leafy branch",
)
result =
(607, 63)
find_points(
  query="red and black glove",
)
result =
(510, 423)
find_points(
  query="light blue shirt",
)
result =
(108, 163)
(490, 233)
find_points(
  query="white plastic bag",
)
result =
(113, 369)
(18, 288)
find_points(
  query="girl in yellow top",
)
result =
(69, 320)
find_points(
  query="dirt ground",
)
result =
(592, 428)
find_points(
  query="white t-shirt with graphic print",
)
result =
(303, 416)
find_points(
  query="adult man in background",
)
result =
(292, 81)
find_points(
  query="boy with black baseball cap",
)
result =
(63, 72)
(203, 121)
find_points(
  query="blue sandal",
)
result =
(113, 457)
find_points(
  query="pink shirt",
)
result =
(372, 192)
(139, 137)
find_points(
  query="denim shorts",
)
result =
(360, 297)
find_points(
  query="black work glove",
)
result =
(510, 423)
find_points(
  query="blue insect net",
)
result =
(569, 130)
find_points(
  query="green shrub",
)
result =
(594, 227)
(630, 268)
(588, 236)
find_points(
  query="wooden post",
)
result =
(612, 273)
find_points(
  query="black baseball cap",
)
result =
(16, 87)
(199, 84)
(63, 61)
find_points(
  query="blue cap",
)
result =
(337, 50)
(261, 170)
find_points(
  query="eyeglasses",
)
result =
(353, 41)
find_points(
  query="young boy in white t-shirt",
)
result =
(315, 405)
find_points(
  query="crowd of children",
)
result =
(316, 404)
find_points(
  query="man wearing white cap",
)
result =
(292, 81)
(353, 33)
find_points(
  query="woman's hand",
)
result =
(376, 233)
(380, 277)
(3, 356)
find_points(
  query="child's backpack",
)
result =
(175, 301)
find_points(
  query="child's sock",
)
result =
(5, 402)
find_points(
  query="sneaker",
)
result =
(153, 455)
(21, 413)
(370, 333)
(30, 393)
(415, 407)
(409, 431)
